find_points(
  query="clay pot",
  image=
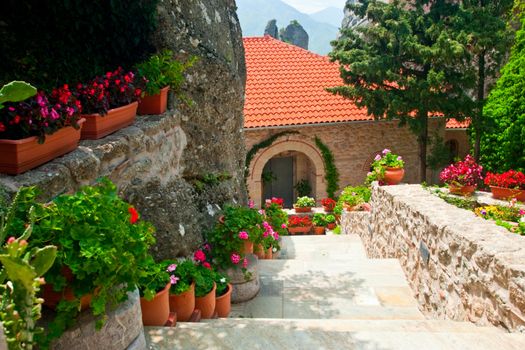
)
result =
(302, 209)
(98, 126)
(393, 176)
(259, 251)
(319, 230)
(221, 219)
(247, 248)
(154, 104)
(299, 230)
(328, 209)
(462, 190)
(348, 207)
(507, 193)
(268, 254)
(206, 304)
(156, 311)
(52, 298)
(223, 303)
(331, 225)
(183, 304)
(18, 156)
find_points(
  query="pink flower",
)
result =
(11, 240)
(522, 212)
(207, 247)
(199, 256)
(172, 268)
(174, 279)
(243, 235)
(251, 204)
(207, 265)
(283, 226)
(244, 263)
(386, 151)
(235, 258)
(276, 236)
(262, 212)
(378, 157)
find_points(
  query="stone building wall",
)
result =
(461, 267)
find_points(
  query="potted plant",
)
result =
(328, 204)
(268, 239)
(510, 184)
(330, 221)
(277, 201)
(338, 211)
(353, 198)
(37, 129)
(298, 224)
(223, 294)
(388, 168)
(319, 223)
(160, 73)
(204, 290)
(109, 103)
(304, 204)
(463, 176)
(154, 286)
(182, 290)
(278, 220)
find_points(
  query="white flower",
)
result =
(275, 249)
(223, 280)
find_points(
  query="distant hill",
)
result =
(254, 14)
(331, 15)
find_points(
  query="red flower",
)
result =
(2, 127)
(298, 221)
(199, 256)
(328, 202)
(206, 265)
(511, 179)
(134, 215)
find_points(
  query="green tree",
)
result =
(407, 64)
(503, 140)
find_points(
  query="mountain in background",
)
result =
(255, 14)
(331, 15)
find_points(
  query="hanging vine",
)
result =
(332, 175)
(263, 144)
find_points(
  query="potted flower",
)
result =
(160, 73)
(182, 290)
(352, 198)
(388, 167)
(109, 103)
(298, 224)
(304, 204)
(328, 204)
(268, 240)
(338, 211)
(223, 294)
(319, 223)
(510, 184)
(37, 129)
(463, 176)
(330, 221)
(204, 290)
(154, 286)
(277, 201)
(278, 220)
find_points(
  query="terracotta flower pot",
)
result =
(52, 298)
(259, 251)
(302, 209)
(18, 156)
(393, 176)
(299, 229)
(156, 311)
(319, 230)
(507, 193)
(348, 207)
(461, 190)
(331, 225)
(247, 248)
(223, 303)
(206, 304)
(183, 304)
(98, 126)
(154, 104)
(268, 254)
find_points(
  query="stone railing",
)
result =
(461, 267)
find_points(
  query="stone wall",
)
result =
(461, 267)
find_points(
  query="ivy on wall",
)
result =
(263, 144)
(52, 42)
(332, 175)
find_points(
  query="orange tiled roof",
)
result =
(454, 124)
(286, 86)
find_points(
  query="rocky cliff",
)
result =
(271, 29)
(295, 34)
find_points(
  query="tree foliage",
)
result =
(503, 141)
(405, 65)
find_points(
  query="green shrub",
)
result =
(319, 220)
(304, 202)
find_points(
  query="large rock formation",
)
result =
(351, 19)
(295, 34)
(271, 29)
(178, 169)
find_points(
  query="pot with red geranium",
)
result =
(304, 204)
(299, 224)
(275, 200)
(463, 176)
(510, 184)
(109, 103)
(223, 294)
(36, 129)
(387, 168)
(319, 222)
(328, 204)
(182, 290)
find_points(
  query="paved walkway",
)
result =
(323, 293)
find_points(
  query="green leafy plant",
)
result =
(221, 281)
(332, 174)
(153, 278)
(353, 196)
(16, 91)
(20, 280)
(181, 274)
(329, 219)
(319, 220)
(304, 202)
(303, 188)
(204, 280)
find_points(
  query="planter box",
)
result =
(302, 209)
(155, 104)
(98, 126)
(507, 193)
(18, 156)
(300, 229)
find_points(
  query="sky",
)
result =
(311, 6)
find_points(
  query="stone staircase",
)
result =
(323, 293)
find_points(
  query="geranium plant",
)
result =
(275, 200)
(153, 278)
(221, 281)
(328, 203)
(180, 274)
(329, 219)
(305, 202)
(204, 280)
(299, 221)
(386, 159)
(510, 179)
(463, 173)
(319, 220)
(353, 196)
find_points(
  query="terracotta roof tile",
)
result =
(454, 124)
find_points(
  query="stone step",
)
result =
(322, 247)
(271, 334)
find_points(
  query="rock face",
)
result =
(351, 20)
(271, 29)
(295, 34)
(158, 161)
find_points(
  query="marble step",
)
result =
(269, 334)
(322, 247)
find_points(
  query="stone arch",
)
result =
(289, 144)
